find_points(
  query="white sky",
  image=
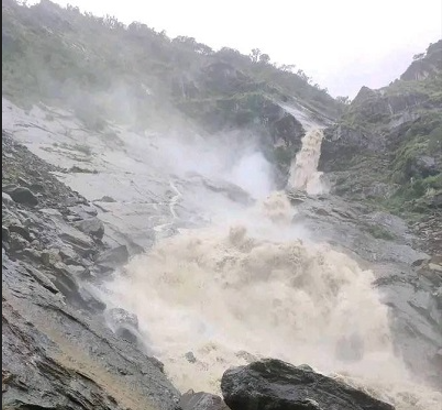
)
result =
(342, 44)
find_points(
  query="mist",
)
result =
(190, 146)
(196, 293)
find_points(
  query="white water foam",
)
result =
(256, 287)
(304, 174)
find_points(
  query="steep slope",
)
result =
(56, 350)
(387, 147)
(102, 69)
(171, 143)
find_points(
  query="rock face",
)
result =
(23, 196)
(387, 147)
(114, 257)
(201, 401)
(56, 350)
(91, 226)
(273, 384)
(408, 283)
(421, 67)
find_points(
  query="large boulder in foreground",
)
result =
(275, 385)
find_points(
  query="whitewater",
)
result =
(253, 285)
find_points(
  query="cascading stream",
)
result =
(252, 287)
(304, 173)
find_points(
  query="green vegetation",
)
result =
(104, 70)
(415, 197)
(394, 154)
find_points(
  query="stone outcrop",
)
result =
(201, 401)
(425, 66)
(273, 384)
(56, 350)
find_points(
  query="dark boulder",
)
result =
(190, 357)
(23, 196)
(275, 385)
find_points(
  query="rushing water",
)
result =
(304, 174)
(253, 286)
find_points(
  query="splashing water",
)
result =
(304, 175)
(225, 295)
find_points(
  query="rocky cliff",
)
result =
(57, 351)
(387, 147)
(117, 138)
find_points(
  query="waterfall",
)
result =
(304, 173)
(251, 285)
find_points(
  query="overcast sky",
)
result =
(342, 44)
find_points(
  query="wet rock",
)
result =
(190, 357)
(36, 187)
(64, 279)
(51, 257)
(305, 368)
(77, 271)
(125, 327)
(232, 191)
(24, 182)
(89, 301)
(201, 401)
(102, 271)
(435, 267)
(81, 243)
(118, 317)
(5, 234)
(80, 212)
(342, 142)
(6, 199)
(76, 364)
(106, 198)
(51, 212)
(17, 242)
(69, 256)
(92, 226)
(246, 356)
(50, 315)
(114, 257)
(31, 254)
(18, 228)
(273, 384)
(23, 196)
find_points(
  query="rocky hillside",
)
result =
(53, 333)
(103, 69)
(107, 109)
(387, 147)
(62, 347)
